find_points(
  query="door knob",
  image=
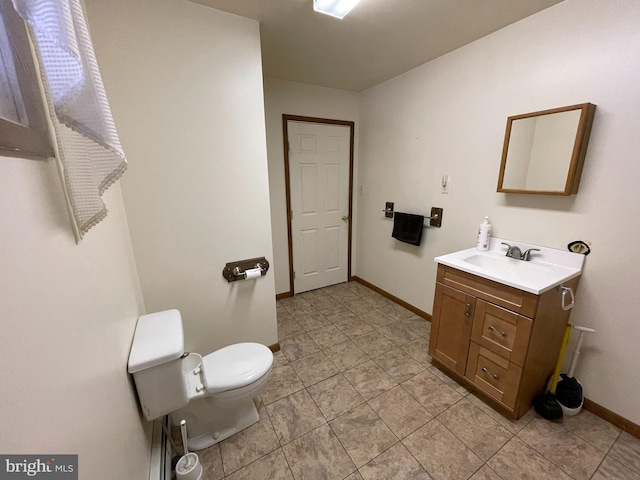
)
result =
(345, 218)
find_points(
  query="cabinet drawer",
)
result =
(494, 375)
(519, 301)
(502, 331)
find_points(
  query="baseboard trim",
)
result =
(393, 298)
(280, 296)
(275, 347)
(611, 417)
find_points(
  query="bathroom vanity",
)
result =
(498, 322)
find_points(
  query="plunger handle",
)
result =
(576, 352)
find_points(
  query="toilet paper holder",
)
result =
(235, 271)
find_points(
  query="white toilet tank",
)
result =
(154, 361)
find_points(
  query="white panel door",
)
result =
(319, 186)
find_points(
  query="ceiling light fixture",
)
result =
(335, 8)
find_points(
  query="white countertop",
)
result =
(545, 270)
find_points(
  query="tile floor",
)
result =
(353, 396)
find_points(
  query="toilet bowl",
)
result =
(214, 394)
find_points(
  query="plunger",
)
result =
(547, 405)
(569, 389)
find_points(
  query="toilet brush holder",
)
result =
(189, 466)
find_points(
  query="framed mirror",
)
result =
(544, 151)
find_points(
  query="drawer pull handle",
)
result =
(467, 310)
(488, 372)
(493, 329)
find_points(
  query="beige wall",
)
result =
(68, 316)
(292, 98)
(448, 117)
(185, 86)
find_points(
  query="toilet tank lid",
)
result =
(158, 339)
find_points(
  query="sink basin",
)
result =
(547, 269)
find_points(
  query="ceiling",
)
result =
(378, 40)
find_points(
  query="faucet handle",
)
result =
(509, 249)
(527, 253)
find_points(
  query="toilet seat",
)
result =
(235, 366)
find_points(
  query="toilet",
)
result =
(214, 393)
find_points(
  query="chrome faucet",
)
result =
(514, 251)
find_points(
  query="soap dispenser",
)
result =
(484, 235)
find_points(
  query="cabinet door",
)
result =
(451, 325)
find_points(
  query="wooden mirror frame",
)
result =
(577, 156)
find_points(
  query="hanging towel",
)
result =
(407, 227)
(88, 147)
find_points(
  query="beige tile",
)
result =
(399, 365)
(626, 449)
(518, 461)
(335, 396)
(418, 324)
(398, 333)
(514, 426)
(434, 395)
(357, 305)
(279, 360)
(441, 453)
(249, 444)
(211, 461)
(362, 433)
(297, 305)
(447, 380)
(346, 355)
(318, 455)
(288, 327)
(293, 416)
(340, 315)
(595, 430)
(314, 368)
(475, 428)
(345, 294)
(400, 411)
(326, 337)
(376, 319)
(566, 450)
(323, 302)
(378, 300)
(369, 379)
(374, 343)
(395, 311)
(312, 321)
(395, 463)
(334, 311)
(486, 473)
(418, 349)
(354, 476)
(353, 327)
(272, 466)
(611, 469)
(298, 347)
(283, 381)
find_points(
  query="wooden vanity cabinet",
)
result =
(497, 340)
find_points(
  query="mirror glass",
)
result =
(544, 151)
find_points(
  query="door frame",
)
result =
(287, 180)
